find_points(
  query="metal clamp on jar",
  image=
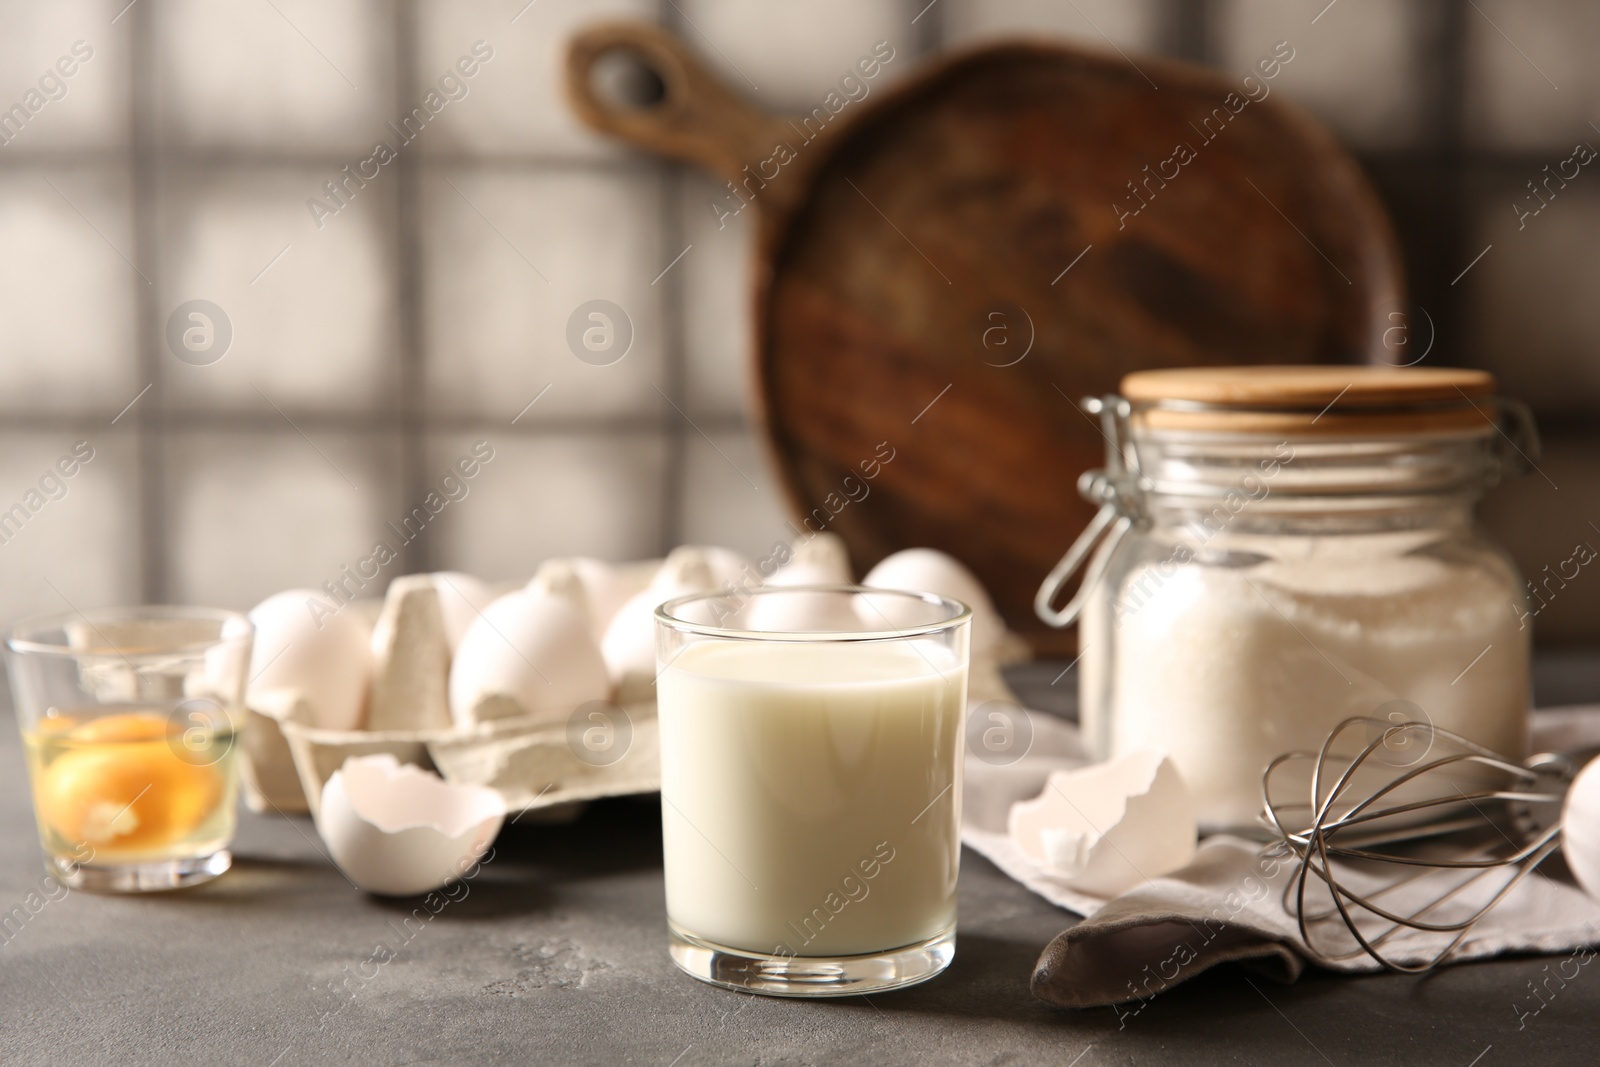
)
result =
(1280, 548)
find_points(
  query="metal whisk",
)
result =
(1468, 822)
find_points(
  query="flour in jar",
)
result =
(1226, 667)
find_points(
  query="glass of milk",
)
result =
(811, 786)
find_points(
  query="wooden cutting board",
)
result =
(950, 265)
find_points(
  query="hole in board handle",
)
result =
(624, 80)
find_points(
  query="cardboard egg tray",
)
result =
(535, 764)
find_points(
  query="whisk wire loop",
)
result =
(1351, 828)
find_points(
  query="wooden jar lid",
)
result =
(1312, 399)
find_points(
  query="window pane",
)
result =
(585, 494)
(511, 258)
(255, 511)
(312, 311)
(68, 290)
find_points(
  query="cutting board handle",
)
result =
(698, 118)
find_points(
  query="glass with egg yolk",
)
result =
(129, 720)
(811, 786)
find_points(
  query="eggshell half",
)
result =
(319, 650)
(398, 830)
(1106, 828)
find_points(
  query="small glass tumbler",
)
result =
(811, 786)
(129, 718)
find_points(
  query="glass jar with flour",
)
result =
(1282, 548)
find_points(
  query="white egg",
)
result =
(1580, 828)
(605, 587)
(799, 611)
(726, 565)
(629, 646)
(399, 830)
(806, 574)
(462, 599)
(927, 570)
(526, 654)
(307, 645)
(234, 640)
(822, 560)
(557, 577)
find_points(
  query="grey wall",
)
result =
(370, 352)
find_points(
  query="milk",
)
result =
(811, 793)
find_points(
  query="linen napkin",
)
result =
(1228, 904)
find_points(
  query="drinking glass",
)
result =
(811, 786)
(129, 718)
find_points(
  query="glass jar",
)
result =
(1280, 549)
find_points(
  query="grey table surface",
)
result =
(556, 954)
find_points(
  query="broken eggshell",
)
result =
(398, 830)
(1106, 828)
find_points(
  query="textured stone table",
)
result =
(557, 954)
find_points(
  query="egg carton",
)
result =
(287, 759)
(538, 763)
(535, 765)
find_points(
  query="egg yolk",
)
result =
(120, 785)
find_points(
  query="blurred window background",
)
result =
(368, 344)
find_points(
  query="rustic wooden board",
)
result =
(1017, 199)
